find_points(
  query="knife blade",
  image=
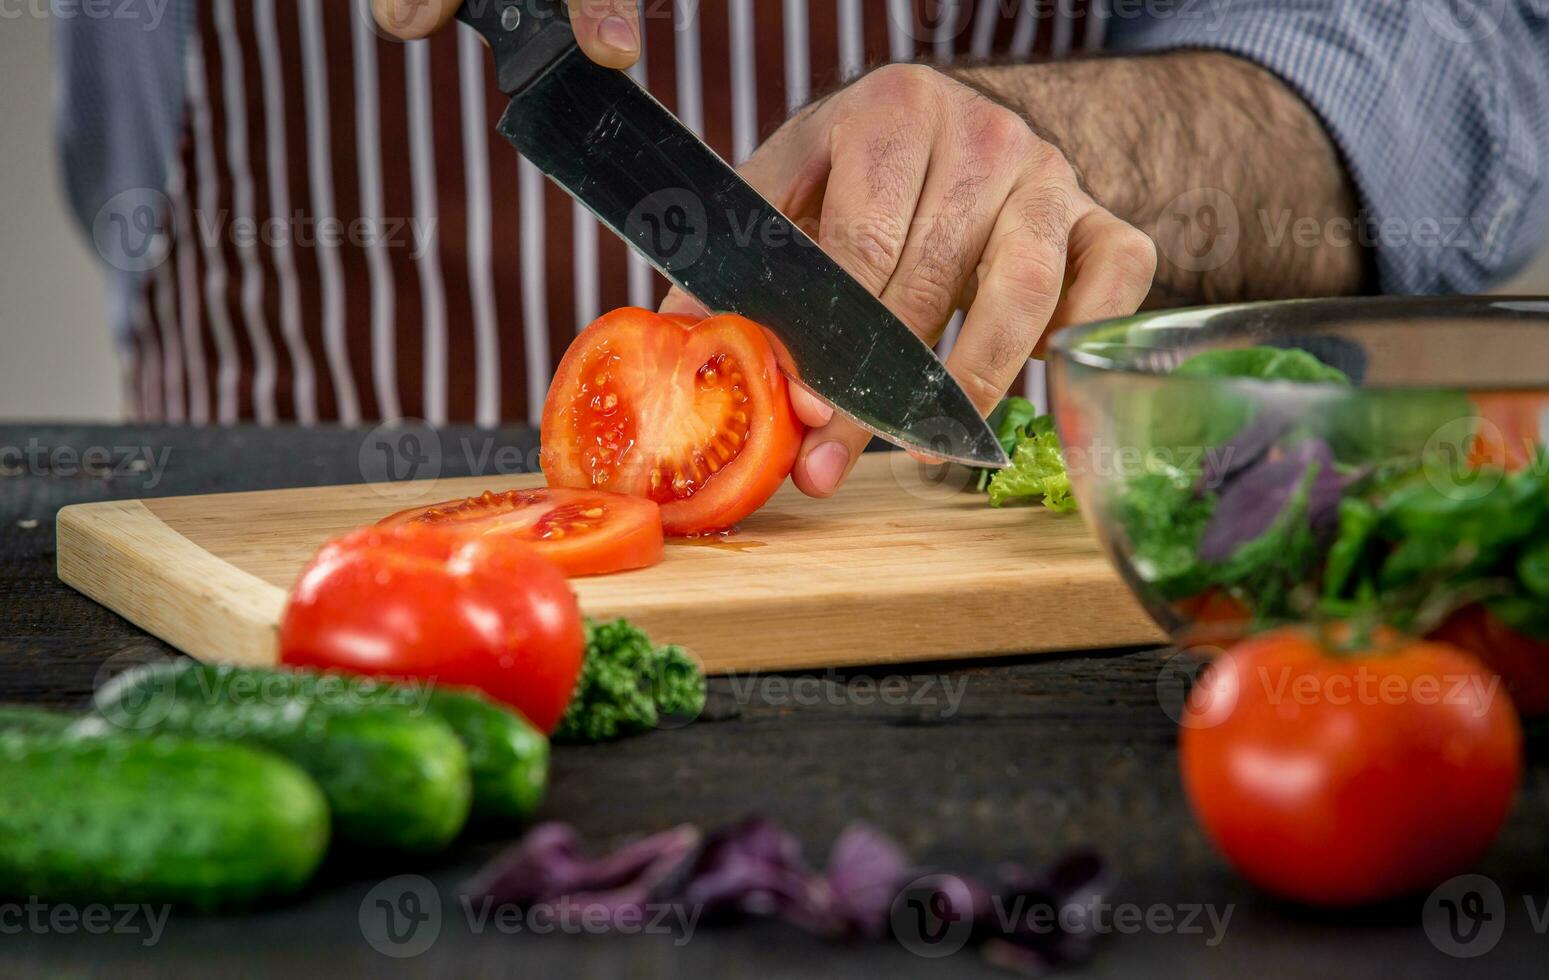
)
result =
(683, 209)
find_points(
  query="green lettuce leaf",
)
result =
(1263, 363)
(1037, 471)
(1163, 518)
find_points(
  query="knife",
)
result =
(683, 209)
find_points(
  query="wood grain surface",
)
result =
(966, 764)
(903, 565)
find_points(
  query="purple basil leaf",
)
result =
(1244, 449)
(547, 865)
(953, 897)
(1074, 885)
(1068, 892)
(1249, 505)
(752, 867)
(865, 870)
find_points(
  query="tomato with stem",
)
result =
(1339, 773)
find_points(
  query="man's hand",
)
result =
(607, 30)
(937, 197)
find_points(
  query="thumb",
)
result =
(607, 30)
(410, 19)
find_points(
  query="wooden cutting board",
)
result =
(902, 565)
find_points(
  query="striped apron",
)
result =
(351, 241)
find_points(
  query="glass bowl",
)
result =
(1375, 459)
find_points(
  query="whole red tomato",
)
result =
(1338, 778)
(1522, 661)
(422, 602)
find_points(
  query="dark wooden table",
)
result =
(1038, 755)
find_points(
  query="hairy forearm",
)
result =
(1223, 165)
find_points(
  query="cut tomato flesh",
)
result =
(693, 416)
(584, 532)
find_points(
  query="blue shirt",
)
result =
(1440, 108)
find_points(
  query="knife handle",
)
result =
(526, 36)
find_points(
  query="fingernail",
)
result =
(826, 465)
(617, 33)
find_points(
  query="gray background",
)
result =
(57, 360)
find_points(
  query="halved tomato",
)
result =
(694, 416)
(584, 532)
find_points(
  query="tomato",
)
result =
(1343, 778)
(421, 602)
(1522, 661)
(695, 416)
(584, 532)
(1214, 618)
(1511, 433)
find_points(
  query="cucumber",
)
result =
(392, 779)
(508, 758)
(158, 819)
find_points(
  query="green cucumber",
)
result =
(508, 758)
(158, 819)
(392, 779)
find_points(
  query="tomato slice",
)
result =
(584, 532)
(694, 416)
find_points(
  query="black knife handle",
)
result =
(526, 36)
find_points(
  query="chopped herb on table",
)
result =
(628, 685)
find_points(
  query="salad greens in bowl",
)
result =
(1380, 461)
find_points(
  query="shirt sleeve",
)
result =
(1440, 108)
(118, 114)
